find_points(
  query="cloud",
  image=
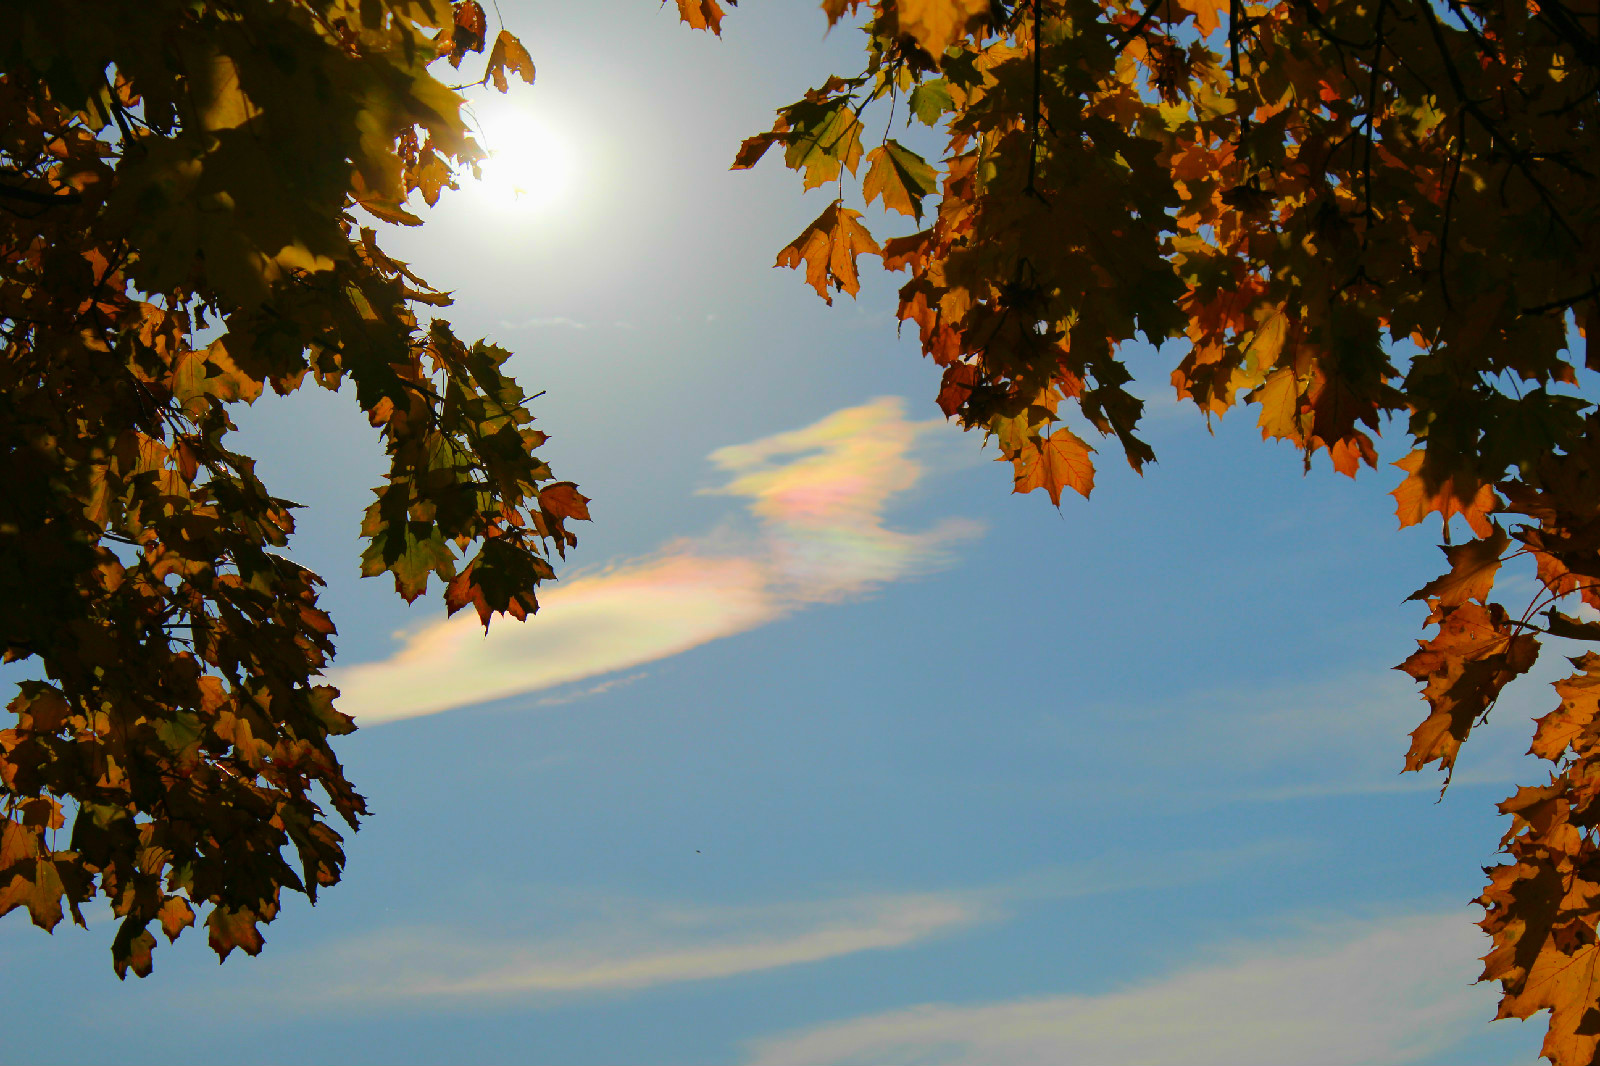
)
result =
(548, 322)
(612, 945)
(818, 495)
(628, 948)
(1388, 991)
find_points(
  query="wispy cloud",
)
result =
(613, 944)
(1388, 991)
(545, 322)
(818, 494)
(629, 947)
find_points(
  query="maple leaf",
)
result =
(1059, 462)
(1283, 413)
(1476, 652)
(703, 14)
(175, 916)
(1207, 14)
(563, 500)
(902, 177)
(467, 32)
(835, 9)
(935, 25)
(829, 247)
(1472, 569)
(508, 52)
(234, 927)
(1415, 499)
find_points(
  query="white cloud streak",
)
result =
(818, 494)
(1390, 991)
(631, 948)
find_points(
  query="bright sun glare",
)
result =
(530, 169)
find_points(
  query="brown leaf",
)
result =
(563, 500)
(234, 928)
(175, 916)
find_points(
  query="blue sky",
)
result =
(827, 748)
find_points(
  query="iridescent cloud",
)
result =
(818, 495)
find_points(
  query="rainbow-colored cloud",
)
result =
(819, 496)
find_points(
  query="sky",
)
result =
(826, 748)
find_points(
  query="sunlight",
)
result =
(531, 166)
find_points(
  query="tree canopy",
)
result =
(180, 191)
(1353, 215)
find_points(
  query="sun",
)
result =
(531, 168)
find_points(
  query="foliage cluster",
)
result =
(1353, 215)
(1350, 214)
(179, 230)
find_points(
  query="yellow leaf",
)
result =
(508, 52)
(1281, 414)
(900, 176)
(937, 24)
(829, 248)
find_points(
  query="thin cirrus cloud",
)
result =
(818, 494)
(617, 945)
(1388, 991)
(629, 947)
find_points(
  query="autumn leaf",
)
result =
(200, 210)
(1283, 413)
(1415, 499)
(175, 916)
(902, 177)
(1476, 652)
(468, 32)
(829, 247)
(703, 14)
(935, 25)
(835, 9)
(508, 52)
(563, 500)
(1472, 569)
(1059, 462)
(234, 927)
(1207, 14)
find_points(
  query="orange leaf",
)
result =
(1572, 724)
(829, 248)
(1061, 462)
(1463, 668)
(565, 501)
(1415, 500)
(508, 52)
(1472, 569)
(937, 24)
(702, 14)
